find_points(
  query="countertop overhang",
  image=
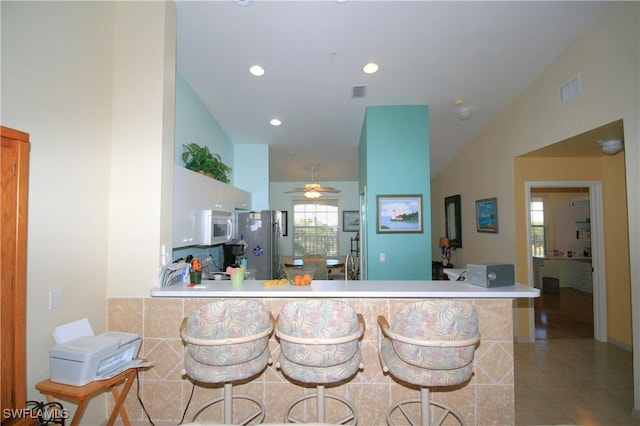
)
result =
(374, 289)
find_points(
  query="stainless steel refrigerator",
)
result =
(261, 235)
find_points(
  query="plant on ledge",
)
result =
(201, 160)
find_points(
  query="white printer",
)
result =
(88, 358)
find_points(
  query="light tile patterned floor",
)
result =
(573, 382)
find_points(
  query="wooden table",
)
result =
(331, 265)
(81, 395)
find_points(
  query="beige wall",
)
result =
(485, 168)
(94, 90)
(616, 242)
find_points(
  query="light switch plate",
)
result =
(54, 299)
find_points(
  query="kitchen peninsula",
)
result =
(487, 399)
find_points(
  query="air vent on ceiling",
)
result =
(359, 91)
(571, 89)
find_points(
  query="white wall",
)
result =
(348, 200)
(567, 216)
(87, 81)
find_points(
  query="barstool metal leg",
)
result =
(426, 403)
(351, 418)
(228, 403)
(320, 403)
(425, 408)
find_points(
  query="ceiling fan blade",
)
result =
(328, 189)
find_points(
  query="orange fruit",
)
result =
(306, 279)
(297, 280)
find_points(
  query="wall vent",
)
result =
(571, 89)
(359, 91)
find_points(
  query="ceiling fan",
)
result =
(314, 190)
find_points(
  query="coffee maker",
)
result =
(232, 255)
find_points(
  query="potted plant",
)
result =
(201, 160)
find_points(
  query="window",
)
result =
(537, 228)
(315, 227)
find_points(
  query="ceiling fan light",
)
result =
(312, 194)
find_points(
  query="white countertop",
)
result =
(348, 290)
(562, 257)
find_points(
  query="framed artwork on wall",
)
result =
(487, 215)
(285, 222)
(399, 214)
(350, 221)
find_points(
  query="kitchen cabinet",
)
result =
(194, 193)
(239, 199)
(14, 177)
(570, 271)
(582, 275)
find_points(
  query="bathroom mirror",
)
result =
(453, 221)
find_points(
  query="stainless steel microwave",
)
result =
(218, 227)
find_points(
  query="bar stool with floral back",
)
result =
(431, 344)
(319, 345)
(227, 342)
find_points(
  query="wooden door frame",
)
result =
(17, 268)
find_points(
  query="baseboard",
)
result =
(619, 344)
(524, 339)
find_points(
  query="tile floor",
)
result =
(573, 382)
(566, 377)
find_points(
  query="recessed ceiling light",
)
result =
(275, 122)
(257, 70)
(370, 68)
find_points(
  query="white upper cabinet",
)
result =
(193, 193)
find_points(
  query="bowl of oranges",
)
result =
(299, 276)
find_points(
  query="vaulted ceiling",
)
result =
(429, 53)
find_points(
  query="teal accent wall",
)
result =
(395, 147)
(195, 124)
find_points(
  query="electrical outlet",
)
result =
(54, 299)
(382, 258)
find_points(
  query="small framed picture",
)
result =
(487, 215)
(350, 221)
(399, 214)
(285, 222)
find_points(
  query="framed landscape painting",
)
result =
(399, 213)
(487, 215)
(350, 221)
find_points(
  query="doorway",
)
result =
(598, 299)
